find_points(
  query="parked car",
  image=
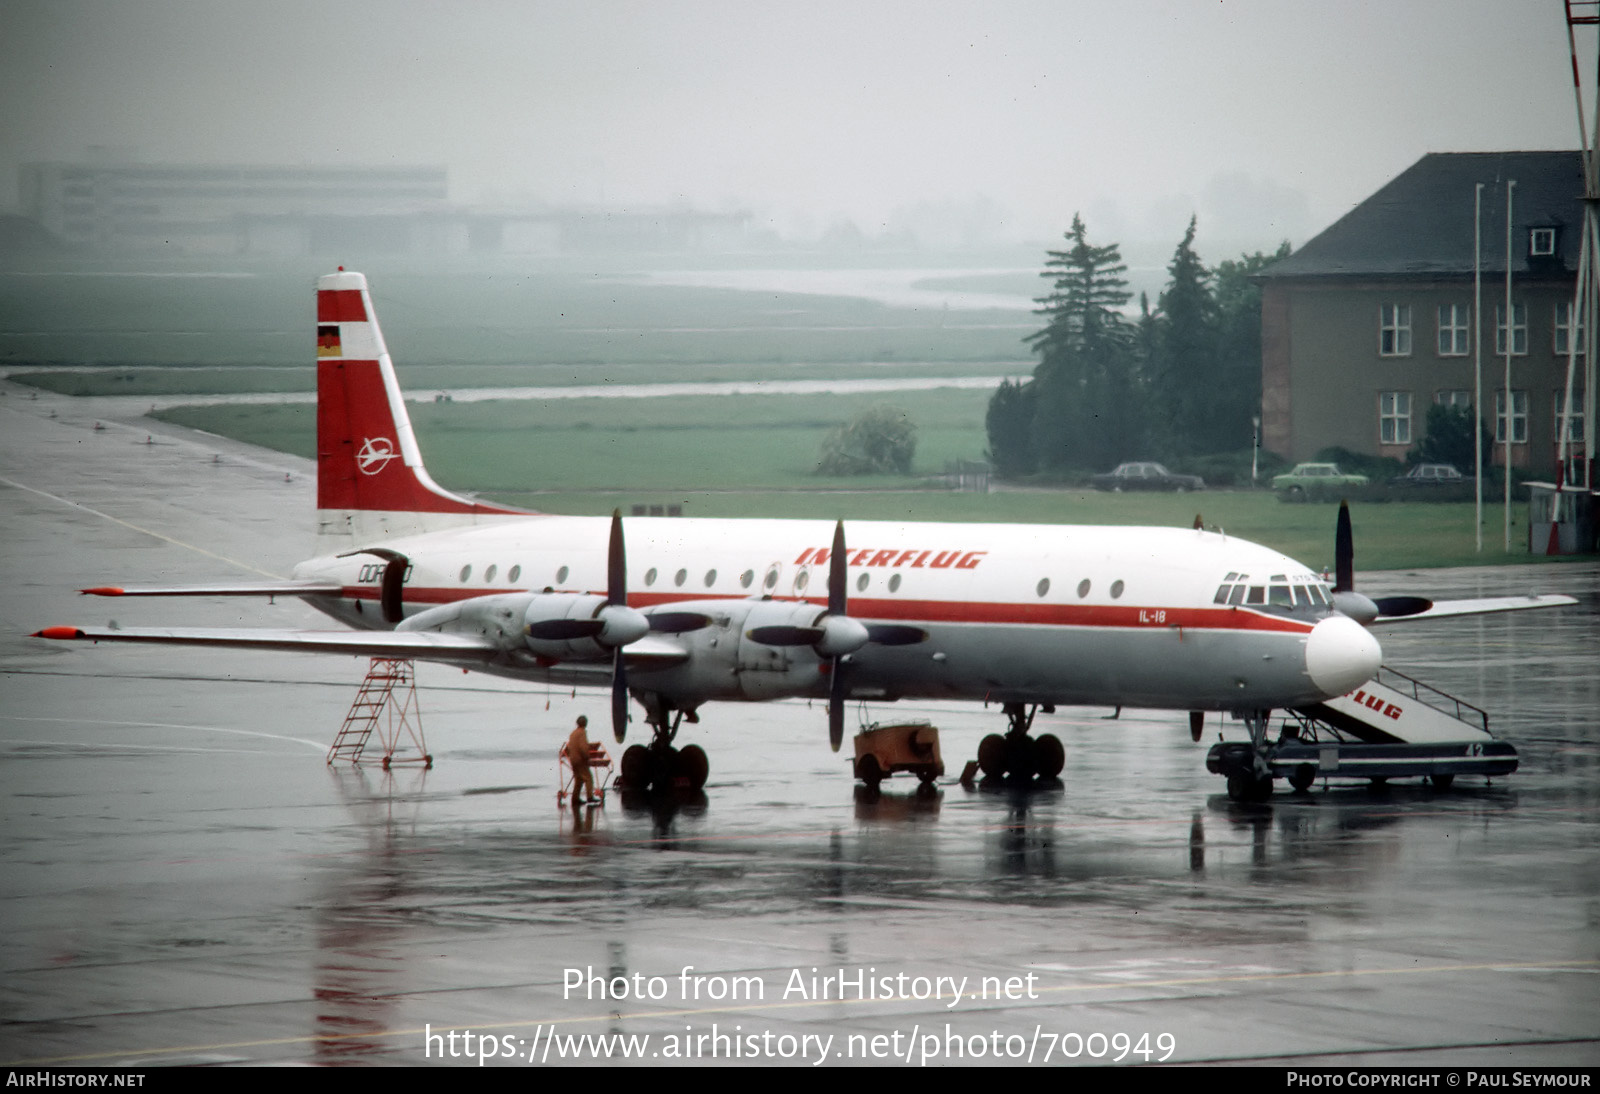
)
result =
(1431, 474)
(1146, 476)
(1307, 476)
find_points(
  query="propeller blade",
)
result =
(617, 593)
(784, 635)
(616, 563)
(1344, 552)
(836, 704)
(564, 630)
(619, 696)
(838, 574)
(1396, 607)
(895, 634)
(677, 622)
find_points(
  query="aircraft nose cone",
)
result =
(1341, 655)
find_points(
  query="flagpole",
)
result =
(1511, 186)
(1477, 354)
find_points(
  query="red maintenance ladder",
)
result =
(386, 704)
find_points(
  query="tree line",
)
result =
(1181, 380)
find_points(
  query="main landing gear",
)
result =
(1018, 755)
(658, 766)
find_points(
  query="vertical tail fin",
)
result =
(370, 476)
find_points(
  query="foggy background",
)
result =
(960, 124)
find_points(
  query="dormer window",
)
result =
(1541, 242)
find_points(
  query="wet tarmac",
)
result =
(185, 881)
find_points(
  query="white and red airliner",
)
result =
(692, 610)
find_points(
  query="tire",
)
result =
(1441, 782)
(1050, 756)
(868, 771)
(1240, 785)
(992, 755)
(637, 767)
(691, 764)
(1022, 756)
(1302, 777)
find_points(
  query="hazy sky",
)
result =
(1268, 118)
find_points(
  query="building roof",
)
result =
(1420, 223)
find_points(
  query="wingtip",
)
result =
(102, 590)
(58, 633)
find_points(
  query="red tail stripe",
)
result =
(340, 306)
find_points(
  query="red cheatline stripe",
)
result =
(939, 611)
(340, 306)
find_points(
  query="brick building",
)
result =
(1372, 320)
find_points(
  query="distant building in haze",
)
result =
(292, 211)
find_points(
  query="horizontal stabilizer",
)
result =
(241, 588)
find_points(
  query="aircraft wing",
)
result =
(651, 652)
(240, 588)
(1443, 609)
(420, 644)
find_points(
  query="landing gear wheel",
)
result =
(637, 766)
(1240, 783)
(868, 771)
(992, 755)
(1302, 777)
(693, 766)
(1049, 755)
(1441, 782)
(1245, 786)
(1022, 756)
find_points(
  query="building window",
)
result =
(1542, 241)
(1455, 399)
(1394, 417)
(1519, 417)
(1569, 329)
(1453, 330)
(1575, 424)
(1519, 330)
(1394, 330)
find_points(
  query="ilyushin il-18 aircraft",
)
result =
(690, 611)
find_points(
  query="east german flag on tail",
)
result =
(328, 342)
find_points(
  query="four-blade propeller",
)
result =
(1363, 609)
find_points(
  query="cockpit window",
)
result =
(1281, 594)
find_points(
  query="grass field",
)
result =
(584, 319)
(752, 456)
(178, 330)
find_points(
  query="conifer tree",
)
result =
(1084, 385)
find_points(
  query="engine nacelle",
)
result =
(560, 626)
(756, 650)
(497, 617)
(573, 626)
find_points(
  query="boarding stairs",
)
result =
(385, 704)
(1391, 727)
